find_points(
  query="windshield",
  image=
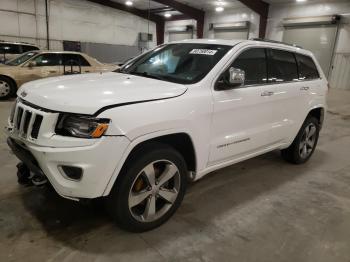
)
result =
(178, 63)
(21, 59)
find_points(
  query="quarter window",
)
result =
(307, 68)
(282, 66)
(253, 63)
(74, 60)
(47, 60)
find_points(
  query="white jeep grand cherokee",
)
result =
(176, 113)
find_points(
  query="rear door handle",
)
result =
(267, 93)
(52, 71)
(304, 88)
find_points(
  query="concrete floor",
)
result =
(260, 210)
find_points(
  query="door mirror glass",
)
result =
(231, 79)
(237, 77)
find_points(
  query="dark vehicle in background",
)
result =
(9, 50)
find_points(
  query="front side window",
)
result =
(282, 66)
(21, 59)
(253, 63)
(47, 60)
(178, 63)
(307, 68)
(74, 60)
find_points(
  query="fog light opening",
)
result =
(71, 172)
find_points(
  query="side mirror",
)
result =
(31, 64)
(231, 79)
(237, 77)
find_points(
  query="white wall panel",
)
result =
(340, 77)
(74, 20)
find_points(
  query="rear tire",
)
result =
(304, 143)
(7, 88)
(149, 188)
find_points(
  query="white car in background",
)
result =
(176, 113)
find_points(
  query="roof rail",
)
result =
(275, 42)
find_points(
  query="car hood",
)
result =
(88, 93)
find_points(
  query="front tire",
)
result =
(7, 88)
(305, 142)
(149, 188)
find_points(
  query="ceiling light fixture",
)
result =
(129, 3)
(219, 9)
(167, 15)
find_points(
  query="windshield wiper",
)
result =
(145, 74)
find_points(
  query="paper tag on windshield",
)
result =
(203, 52)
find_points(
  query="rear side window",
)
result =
(307, 68)
(26, 48)
(9, 48)
(282, 66)
(74, 60)
(47, 60)
(253, 63)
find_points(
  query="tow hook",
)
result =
(25, 177)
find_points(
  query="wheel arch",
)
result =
(319, 113)
(11, 79)
(181, 141)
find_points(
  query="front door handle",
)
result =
(267, 93)
(52, 71)
(304, 88)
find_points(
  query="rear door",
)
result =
(291, 95)
(243, 117)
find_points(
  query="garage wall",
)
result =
(74, 20)
(181, 23)
(227, 16)
(341, 63)
(232, 15)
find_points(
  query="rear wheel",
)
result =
(305, 142)
(149, 189)
(7, 88)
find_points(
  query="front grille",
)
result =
(26, 122)
(36, 126)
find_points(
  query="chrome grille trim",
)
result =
(23, 121)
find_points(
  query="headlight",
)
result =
(81, 126)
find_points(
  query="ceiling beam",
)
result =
(262, 8)
(189, 12)
(177, 17)
(135, 11)
(162, 10)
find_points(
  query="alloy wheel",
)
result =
(154, 191)
(308, 140)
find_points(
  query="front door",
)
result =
(243, 117)
(41, 66)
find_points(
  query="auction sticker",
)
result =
(203, 52)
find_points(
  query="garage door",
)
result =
(230, 34)
(318, 39)
(178, 36)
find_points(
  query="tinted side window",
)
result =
(253, 63)
(9, 49)
(307, 68)
(26, 48)
(75, 60)
(282, 66)
(47, 60)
